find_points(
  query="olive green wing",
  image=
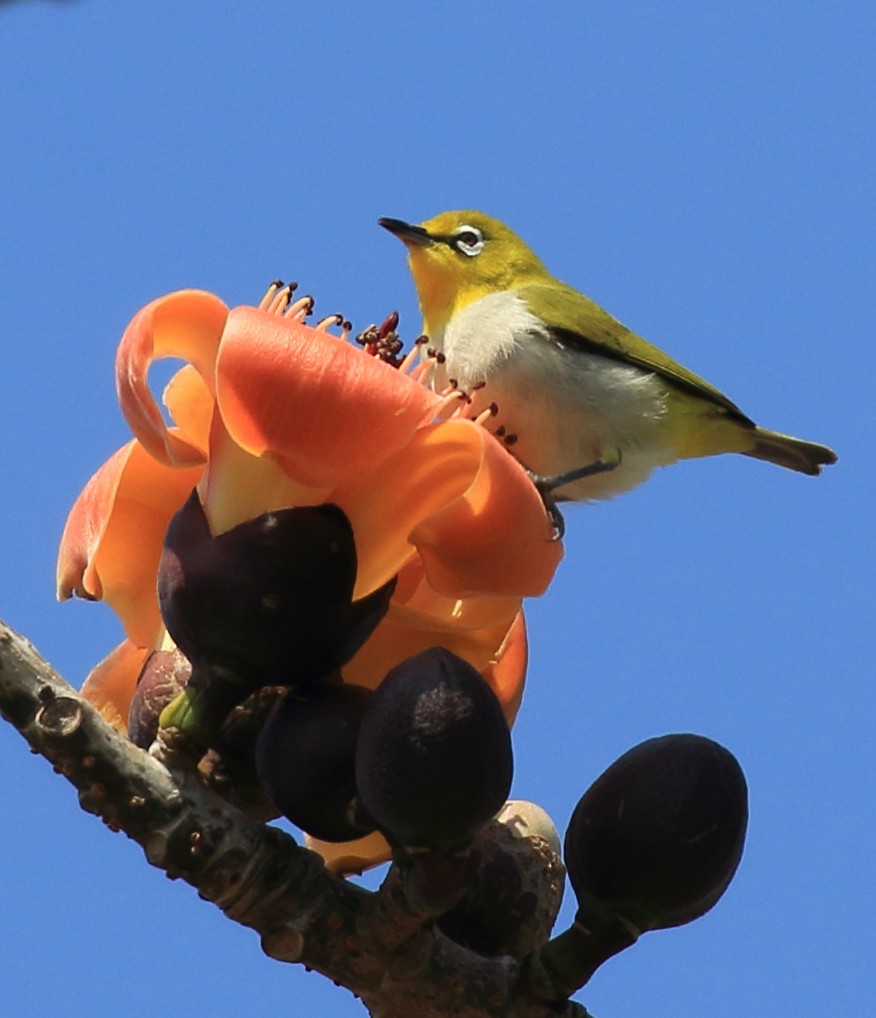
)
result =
(575, 320)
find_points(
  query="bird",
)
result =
(587, 406)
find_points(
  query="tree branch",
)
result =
(377, 944)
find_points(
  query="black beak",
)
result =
(406, 232)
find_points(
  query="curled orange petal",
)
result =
(324, 409)
(114, 535)
(186, 324)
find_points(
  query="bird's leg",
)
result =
(547, 484)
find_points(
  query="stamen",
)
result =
(280, 301)
(421, 372)
(323, 324)
(300, 309)
(449, 408)
(408, 360)
(485, 415)
(269, 294)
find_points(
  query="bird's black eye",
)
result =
(468, 240)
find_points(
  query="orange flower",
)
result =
(269, 413)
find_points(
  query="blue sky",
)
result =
(703, 170)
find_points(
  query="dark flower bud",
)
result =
(163, 677)
(269, 601)
(657, 837)
(434, 757)
(652, 843)
(305, 759)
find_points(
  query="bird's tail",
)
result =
(793, 453)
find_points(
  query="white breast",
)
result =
(561, 408)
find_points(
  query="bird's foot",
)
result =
(547, 484)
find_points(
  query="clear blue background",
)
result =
(705, 171)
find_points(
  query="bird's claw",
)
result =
(547, 484)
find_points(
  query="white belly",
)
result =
(559, 408)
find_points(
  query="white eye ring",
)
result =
(469, 240)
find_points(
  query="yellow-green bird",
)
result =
(586, 405)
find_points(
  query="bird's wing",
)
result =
(574, 320)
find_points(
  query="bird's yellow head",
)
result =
(459, 257)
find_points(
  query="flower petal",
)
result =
(351, 856)
(497, 651)
(111, 683)
(188, 400)
(457, 495)
(324, 408)
(496, 537)
(236, 486)
(506, 672)
(186, 324)
(114, 534)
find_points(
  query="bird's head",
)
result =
(459, 257)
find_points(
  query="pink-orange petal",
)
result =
(399, 636)
(323, 408)
(469, 508)
(84, 529)
(191, 406)
(494, 539)
(506, 672)
(186, 324)
(111, 683)
(416, 599)
(114, 535)
(347, 857)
